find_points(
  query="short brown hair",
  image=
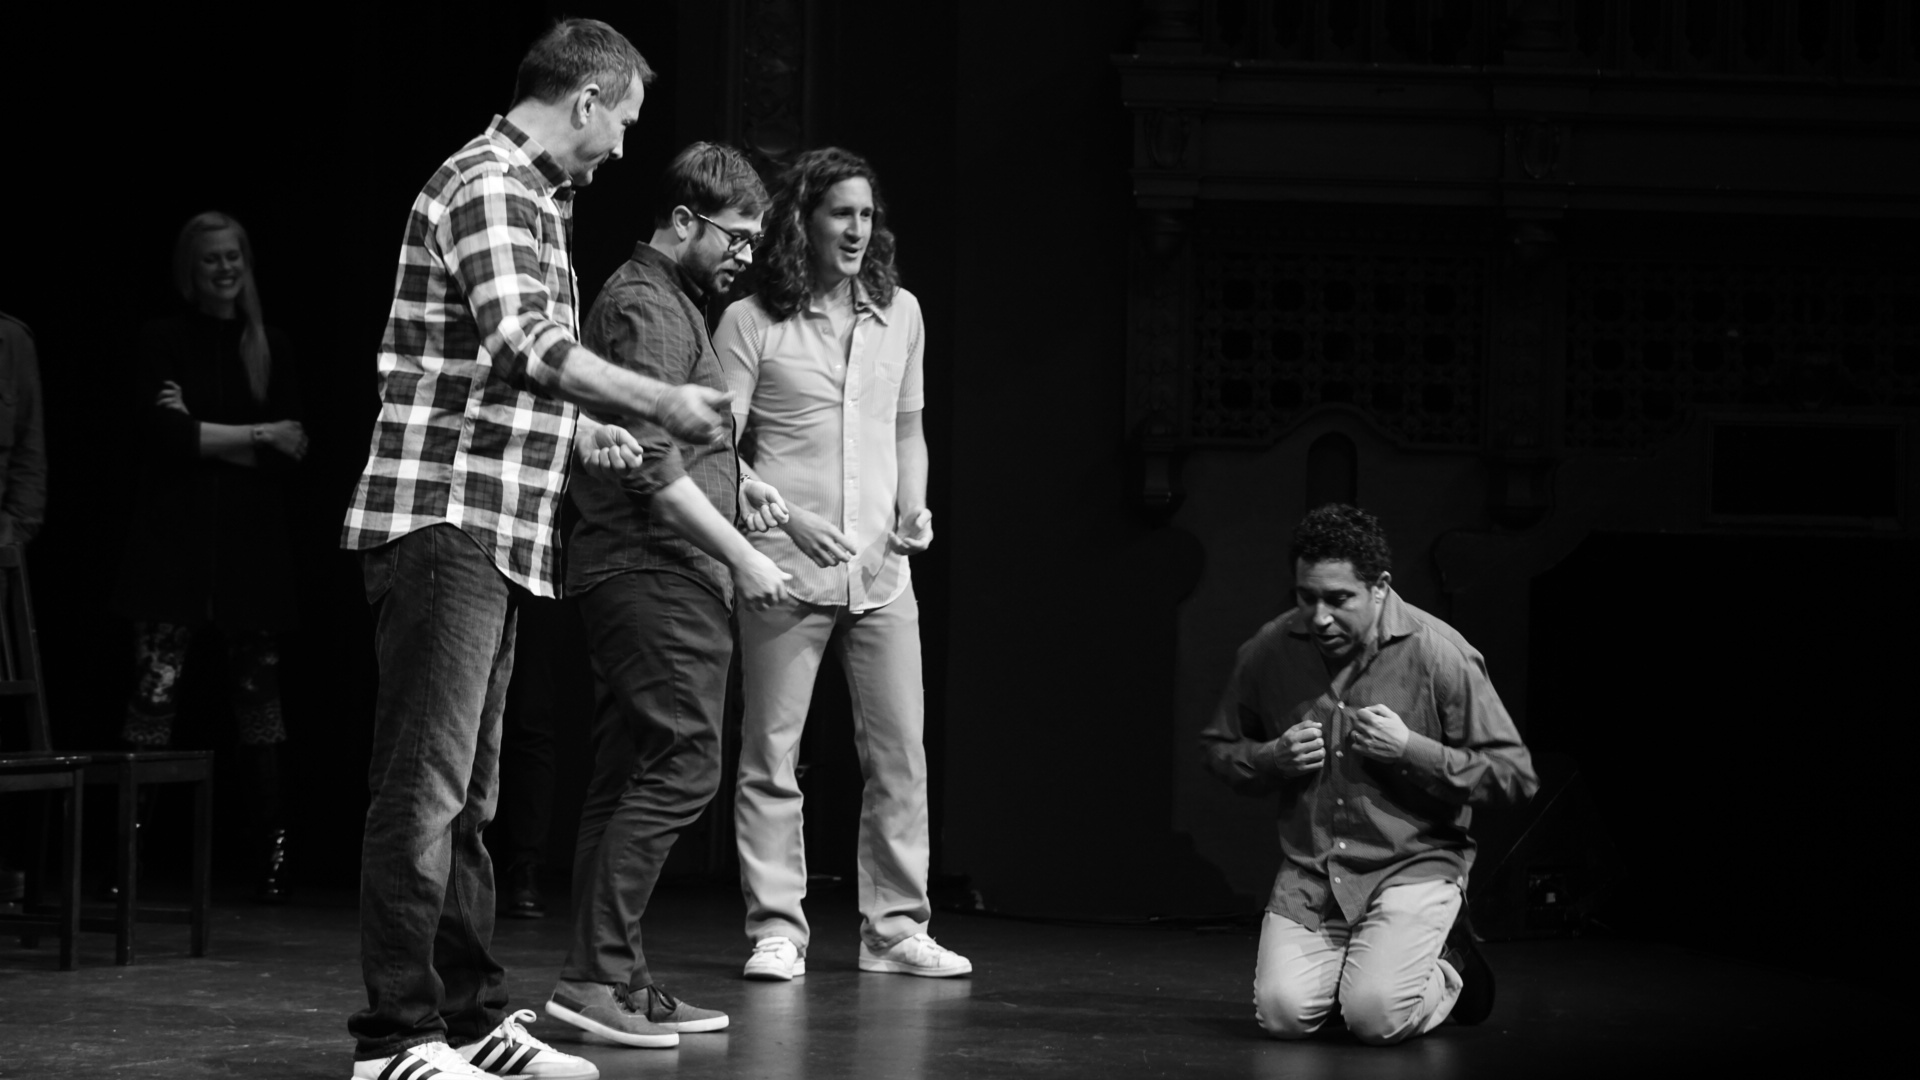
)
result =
(575, 52)
(707, 178)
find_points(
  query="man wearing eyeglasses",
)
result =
(657, 562)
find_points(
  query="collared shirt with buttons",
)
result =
(648, 318)
(1357, 825)
(822, 401)
(482, 320)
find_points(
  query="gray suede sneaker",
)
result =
(607, 1010)
(673, 1014)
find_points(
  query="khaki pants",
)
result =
(1385, 970)
(879, 651)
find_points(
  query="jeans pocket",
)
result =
(376, 570)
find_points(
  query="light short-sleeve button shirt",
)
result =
(823, 410)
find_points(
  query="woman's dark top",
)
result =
(208, 539)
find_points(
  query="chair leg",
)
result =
(129, 869)
(70, 873)
(33, 899)
(202, 862)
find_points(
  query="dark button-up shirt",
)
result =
(211, 540)
(23, 443)
(648, 319)
(1356, 825)
(481, 323)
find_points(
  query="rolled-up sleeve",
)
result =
(643, 331)
(913, 382)
(737, 342)
(1482, 760)
(490, 233)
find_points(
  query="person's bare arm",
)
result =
(686, 511)
(693, 413)
(913, 522)
(238, 444)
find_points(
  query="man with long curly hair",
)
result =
(824, 364)
(1377, 726)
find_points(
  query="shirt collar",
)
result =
(1393, 624)
(863, 305)
(647, 255)
(533, 155)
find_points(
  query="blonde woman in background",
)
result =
(208, 545)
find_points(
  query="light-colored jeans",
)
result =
(1385, 970)
(879, 650)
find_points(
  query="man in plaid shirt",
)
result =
(480, 370)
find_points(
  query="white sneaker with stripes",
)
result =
(510, 1051)
(427, 1061)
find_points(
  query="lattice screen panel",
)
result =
(1398, 335)
(1650, 342)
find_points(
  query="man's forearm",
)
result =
(911, 495)
(607, 390)
(687, 511)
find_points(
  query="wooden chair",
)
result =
(50, 772)
(128, 771)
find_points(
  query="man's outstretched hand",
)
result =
(695, 414)
(914, 533)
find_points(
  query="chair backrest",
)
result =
(20, 647)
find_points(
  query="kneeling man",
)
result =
(1376, 724)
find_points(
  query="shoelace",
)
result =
(657, 997)
(926, 945)
(771, 944)
(444, 1058)
(512, 1027)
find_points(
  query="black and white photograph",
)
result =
(952, 539)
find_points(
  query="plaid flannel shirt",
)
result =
(482, 320)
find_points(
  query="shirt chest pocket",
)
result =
(882, 373)
(1414, 710)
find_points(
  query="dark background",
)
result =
(1734, 690)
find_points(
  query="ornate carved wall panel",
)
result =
(1285, 328)
(770, 100)
(1650, 342)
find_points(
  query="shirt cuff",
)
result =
(1425, 755)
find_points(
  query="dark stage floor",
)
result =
(271, 998)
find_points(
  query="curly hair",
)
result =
(786, 266)
(1337, 532)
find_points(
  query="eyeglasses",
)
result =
(736, 238)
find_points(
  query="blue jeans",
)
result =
(443, 635)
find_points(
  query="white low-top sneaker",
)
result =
(917, 955)
(427, 1061)
(775, 958)
(510, 1051)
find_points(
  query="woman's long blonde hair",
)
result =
(254, 352)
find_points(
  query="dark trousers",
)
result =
(660, 646)
(443, 635)
(526, 737)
